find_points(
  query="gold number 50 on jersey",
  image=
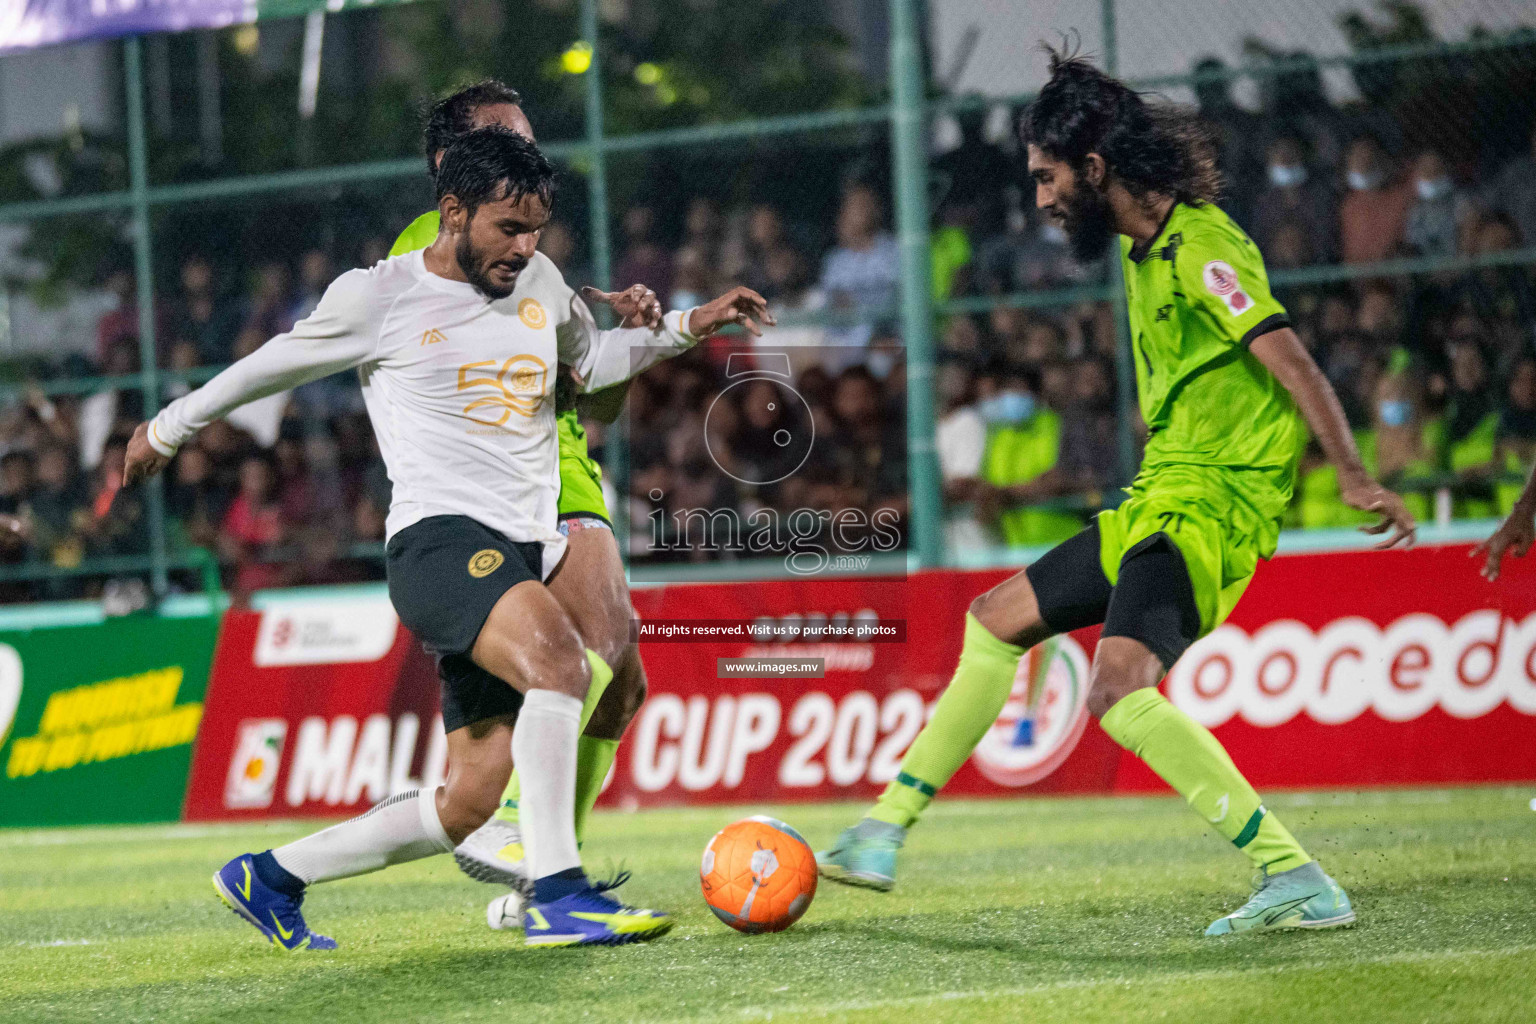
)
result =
(519, 386)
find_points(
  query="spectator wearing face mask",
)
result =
(1406, 440)
(1295, 198)
(1373, 214)
(1021, 465)
(1440, 211)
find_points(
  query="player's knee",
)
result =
(468, 803)
(611, 639)
(563, 668)
(1009, 612)
(629, 678)
(985, 608)
(1120, 667)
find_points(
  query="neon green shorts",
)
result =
(1221, 538)
(581, 479)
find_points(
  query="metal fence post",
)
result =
(909, 152)
(143, 269)
(1125, 361)
(615, 448)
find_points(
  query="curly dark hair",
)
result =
(492, 163)
(1163, 148)
(454, 115)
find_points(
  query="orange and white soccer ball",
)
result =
(758, 875)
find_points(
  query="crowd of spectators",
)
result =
(1436, 368)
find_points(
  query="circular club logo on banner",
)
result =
(1043, 719)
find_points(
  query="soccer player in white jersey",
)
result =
(457, 348)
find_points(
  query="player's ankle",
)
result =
(874, 828)
(274, 876)
(560, 885)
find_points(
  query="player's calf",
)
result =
(623, 698)
(1121, 666)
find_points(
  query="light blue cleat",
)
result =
(1302, 897)
(864, 855)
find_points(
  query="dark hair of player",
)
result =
(1149, 148)
(492, 163)
(454, 115)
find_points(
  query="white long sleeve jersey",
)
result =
(460, 389)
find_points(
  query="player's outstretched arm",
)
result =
(1285, 356)
(340, 334)
(1516, 533)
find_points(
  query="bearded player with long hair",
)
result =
(1228, 393)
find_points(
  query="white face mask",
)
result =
(881, 362)
(1287, 175)
(1365, 181)
(1434, 188)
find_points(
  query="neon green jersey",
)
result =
(418, 234)
(1198, 296)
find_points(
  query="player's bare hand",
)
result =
(738, 306)
(143, 461)
(636, 305)
(1396, 521)
(1517, 534)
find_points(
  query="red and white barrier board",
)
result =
(1355, 668)
(1337, 669)
(318, 706)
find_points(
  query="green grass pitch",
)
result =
(1075, 910)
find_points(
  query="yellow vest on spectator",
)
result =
(1472, 451)
(1320, 507)
(1507, 491)
(1016, 454)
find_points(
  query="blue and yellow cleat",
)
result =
(592, 918)
(1302, 897)
(864, 855)
(275, 914)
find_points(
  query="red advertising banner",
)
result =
(316, 706)
(1354, 668)
(1340, 669)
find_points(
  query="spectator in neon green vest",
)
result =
(1403, 442)
(1021, 465)
(1471, 425)
(1516, 437)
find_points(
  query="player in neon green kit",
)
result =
(590, 585)
(1227, 392)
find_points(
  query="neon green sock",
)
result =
(593, 759)
(967, 709)
(602, 675)
(1187, 757)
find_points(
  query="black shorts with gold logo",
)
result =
(446, 573)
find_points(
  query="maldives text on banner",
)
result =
(1340, 669)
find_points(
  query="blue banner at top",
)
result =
(28, 23)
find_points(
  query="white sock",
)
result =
(544, 751)
(404, 827)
